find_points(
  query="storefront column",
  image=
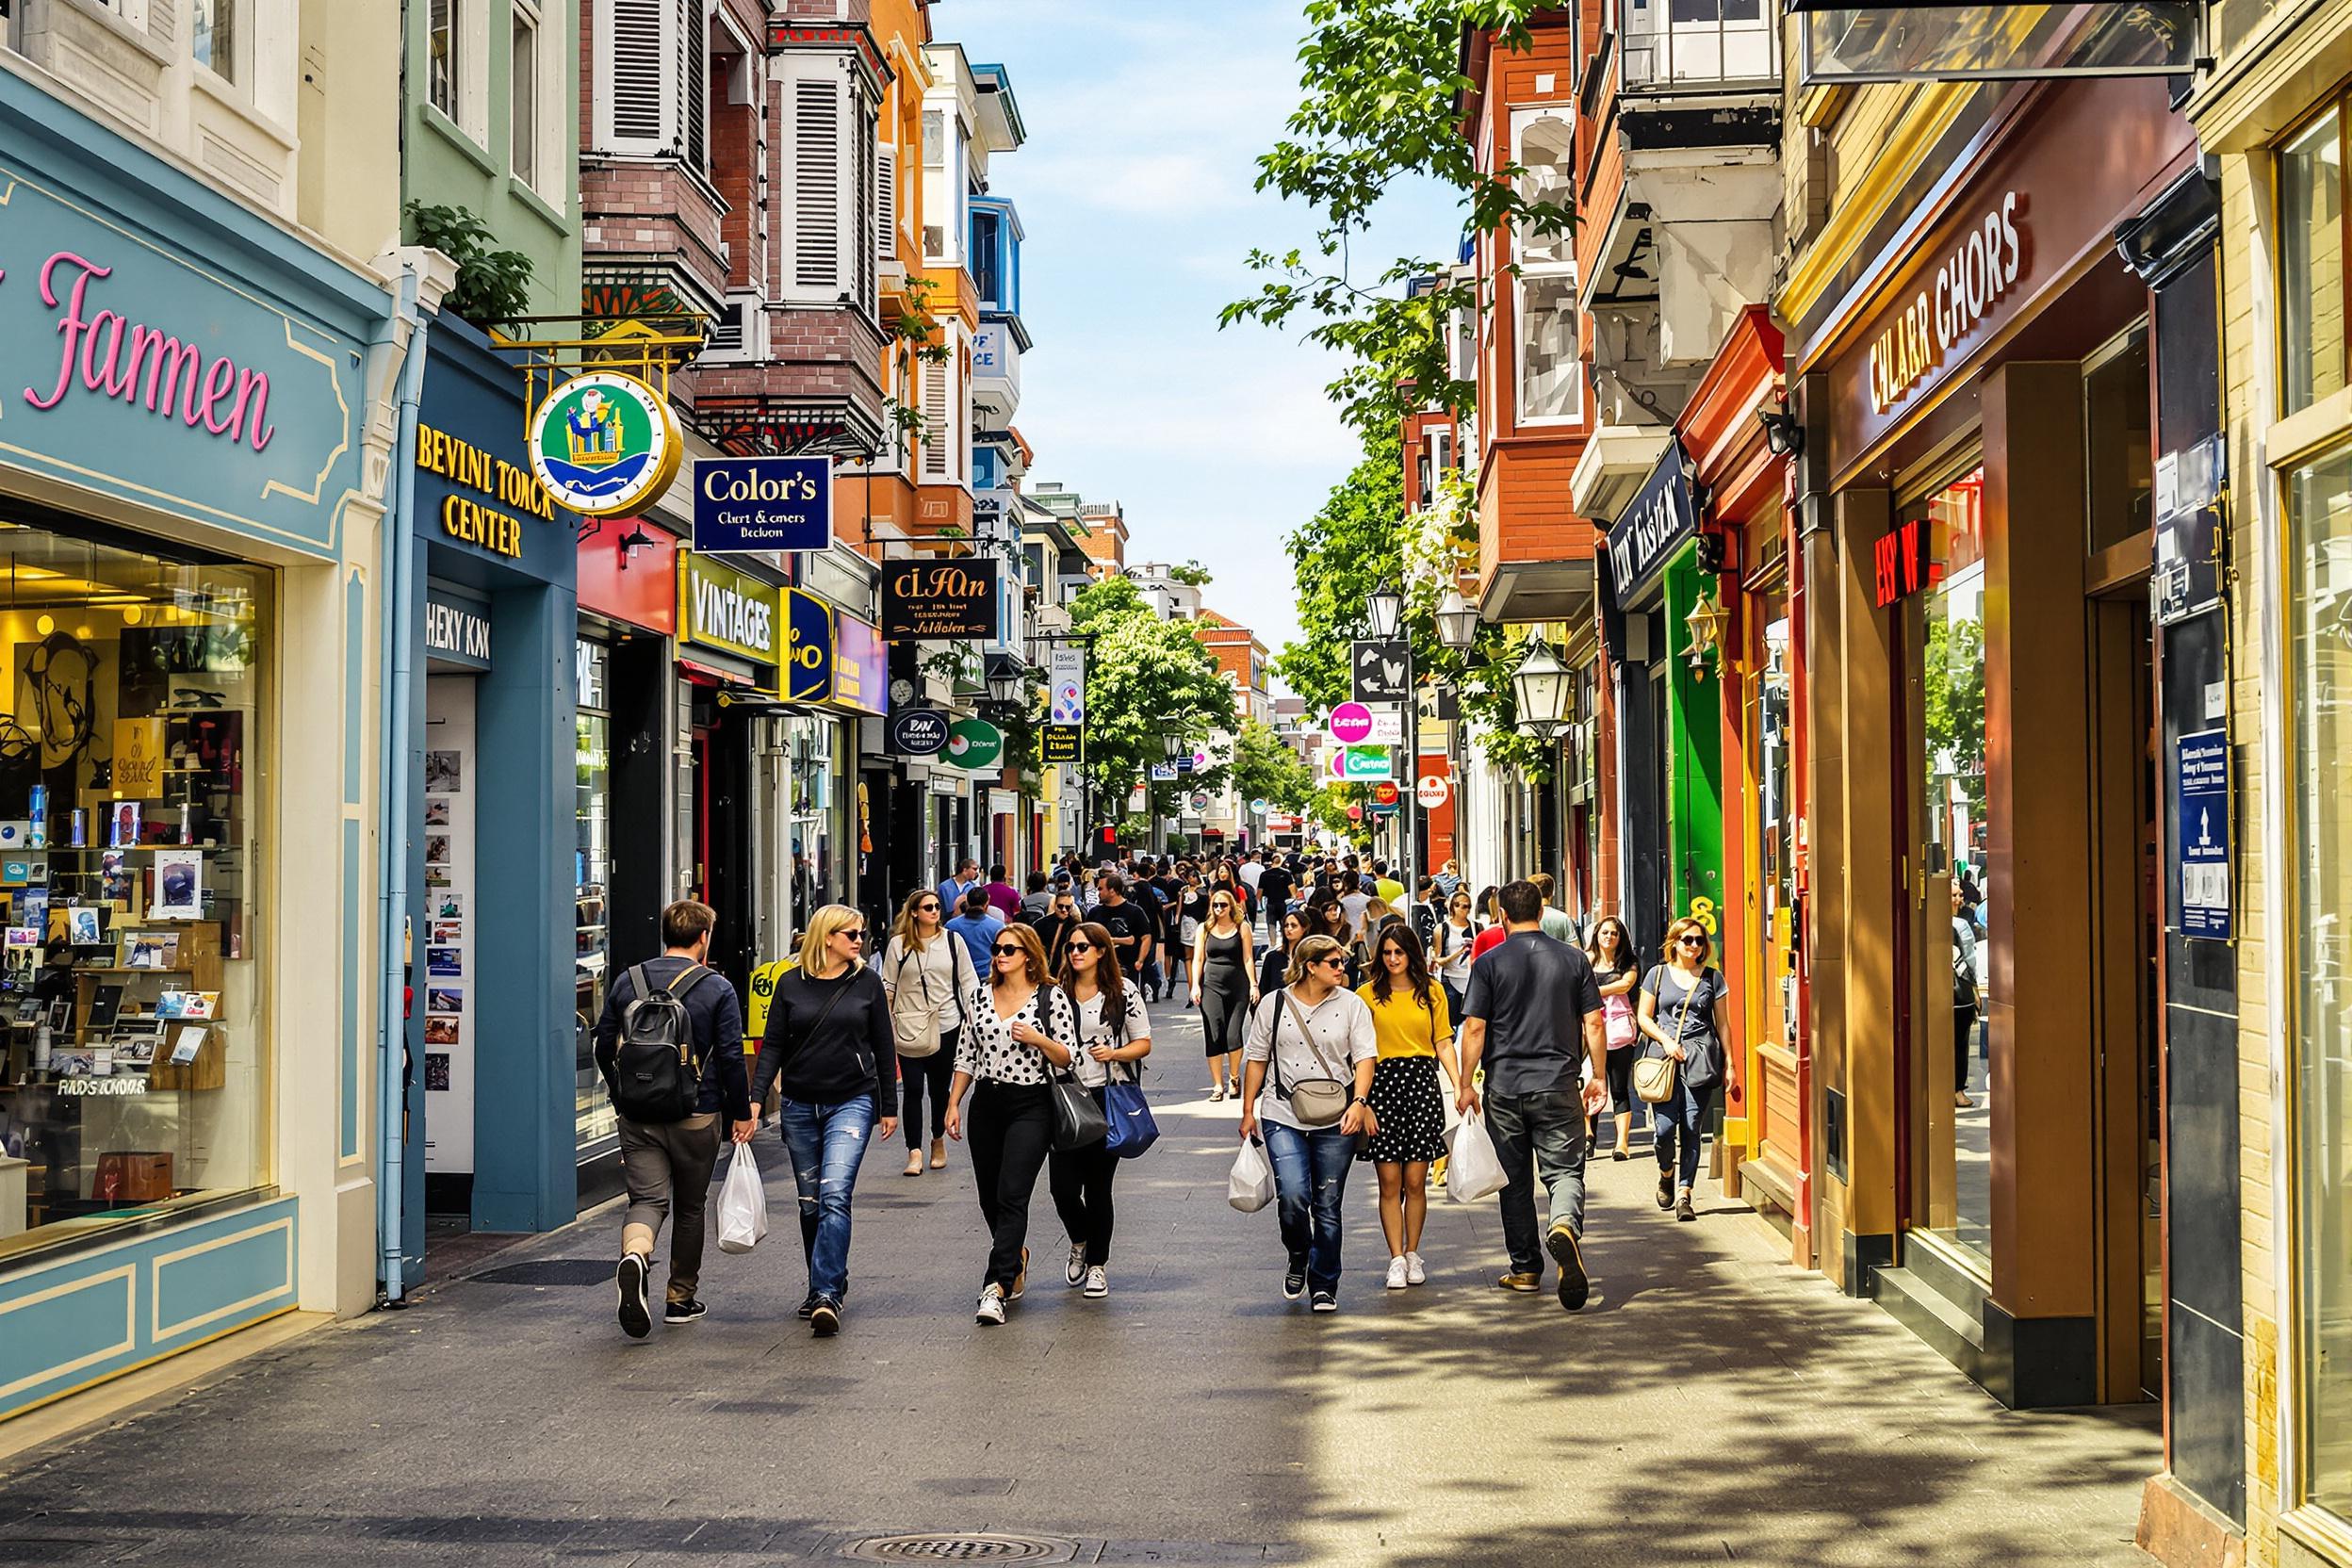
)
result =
(1855, 1062)
(2040, 870)
(524, 1113)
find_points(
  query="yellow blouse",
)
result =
(1401, 1027)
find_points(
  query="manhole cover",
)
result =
(961, 1548)
(549, 1272)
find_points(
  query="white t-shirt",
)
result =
(1093, 1030)
(1355, 903)
(1343, 1034)
(1251, 871)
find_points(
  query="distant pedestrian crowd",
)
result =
(1439, 1036)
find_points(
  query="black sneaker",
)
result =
(808, 1306)
(689, 1311)
(1666, 1189)
(1574, 1285)
(826, 1319)
(1326, 1302)
(636, 1320)
(1295, 1282)
(1682, 1206)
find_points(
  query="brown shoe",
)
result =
(1526, 1284)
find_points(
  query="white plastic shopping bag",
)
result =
(1252, 1186)
(743, 1203)
(1472, 1169)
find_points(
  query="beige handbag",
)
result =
(1653, 1076)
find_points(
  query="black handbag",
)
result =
(1079, 1120)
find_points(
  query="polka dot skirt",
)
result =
(1408, 1097)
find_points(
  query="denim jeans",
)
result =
(1680, 1119)
(1148, 977)
(826, 1142)
(1309, 1181)
(1538, 1135)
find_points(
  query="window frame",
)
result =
(532, 131)
(1518, 119)
(2339, 102)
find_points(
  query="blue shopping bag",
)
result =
(1132, 1128)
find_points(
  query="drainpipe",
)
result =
(397, 580)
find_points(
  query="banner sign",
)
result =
(2200, 834)
(1061, 742)
(722, 608)
(808, 647)
(861, 665)
(1065, 674)
(764, 503)
(916, 731)
(1652, 527)
(1377, 670)
(936, 600)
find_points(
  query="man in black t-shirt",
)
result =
(1274, 886)
(1533, 1017)
(1133, 933)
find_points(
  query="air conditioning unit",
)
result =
(738, 333)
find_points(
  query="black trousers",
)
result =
(1963, 1041)
(914, 1072)
(1011, 1131)
(1081, 1183)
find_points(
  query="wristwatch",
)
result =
(1360, 1101)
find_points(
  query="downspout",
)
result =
(398, 617)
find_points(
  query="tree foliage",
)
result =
(493, 287)
(1264, 768)
(1953, 701)
(1383, 88)
(1145, 678)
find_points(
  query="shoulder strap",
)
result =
(637, 982)
(1306, 1036)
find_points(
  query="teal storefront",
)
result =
(186, 547)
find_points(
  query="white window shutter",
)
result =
(693, 83)
(822, 212)
(939, 424)
(636, 88)
(886, 202)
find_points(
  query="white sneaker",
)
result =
(1217, 1094)
(1415, 1273)
(1396, 1273)
(1076, 1272)
(1098, 1283)
(991, 1308)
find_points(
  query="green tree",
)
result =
(1147, 678)
(493, 287)
(1191, 573)
(1264, 768)
(1952, 702)
(1384, 86)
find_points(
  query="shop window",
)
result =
(2119, 504)
(2310, 252)
(134, 1063)
(592, 872)
(2320, 631)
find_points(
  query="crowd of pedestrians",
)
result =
(1355, 1021)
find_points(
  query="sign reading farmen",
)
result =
(940, 599)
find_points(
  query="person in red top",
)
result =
(1493, 937)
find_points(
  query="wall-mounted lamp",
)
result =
(634, 540)
(1706, 625)
(1782, 434)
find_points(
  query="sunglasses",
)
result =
(1008, 953)
(856, 936)
(1069, 947)
(929, 908)
(1334, 958)
(1691, 941)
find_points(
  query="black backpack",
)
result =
(655, 1076)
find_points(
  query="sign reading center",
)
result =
(1952, 304)
(722, 608)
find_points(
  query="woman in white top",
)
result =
(1312, 1028)
(1449, 949)
(1114, 1034)
(1021, 1029)
(927, 973)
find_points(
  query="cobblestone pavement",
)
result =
(1710, 1405)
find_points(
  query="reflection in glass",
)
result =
(2311, 263)
(592, 870)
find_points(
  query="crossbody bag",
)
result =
(1653, 1076)
(1316, 1102)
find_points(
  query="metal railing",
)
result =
(1697, 45)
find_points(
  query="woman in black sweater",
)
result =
(829, 1045)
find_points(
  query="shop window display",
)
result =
(596, 1128)
(132, 1053)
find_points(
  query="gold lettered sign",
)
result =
(936, 600)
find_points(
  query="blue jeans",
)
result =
(1538, 1135)
(1310, 1181)
(827, 1143)
(1680, 1119)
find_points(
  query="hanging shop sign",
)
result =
(1649, 531)
(1375, 670)
(1904, 561)
(1956, 300)
(456, 631)
(861, 663)
(722, 608)
(1432, 791)
(1200, 802)
(1359, 723)
(972, 745)
(807, 647)
(605, 444)
(1061, 742)
(1163, 773)
(941, 600)
(2200, 835)
(1066, 677)
(1357, 764)
(1384, 793)
(916, 731)
(764, 503)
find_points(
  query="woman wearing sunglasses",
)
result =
(1685, 1015)
(1274, 964)
(1114, 1034)
(1224, 986)
(1415, 1034)
(829, 1045)
(1452, 944)
(1616, 968)
(928, 974)
(1315, 1032)
(1021, 1029)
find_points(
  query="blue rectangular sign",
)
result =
(2200, 834)
(762, 503)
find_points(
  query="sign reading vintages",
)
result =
(1649, 531)
(764, 503)
(722, 608)
(1952, 304)
(605, 444)
(940, 599)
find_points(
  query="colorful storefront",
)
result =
(732, 646)
(186, 779)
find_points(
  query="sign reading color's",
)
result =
(764, 503)
(937, 600)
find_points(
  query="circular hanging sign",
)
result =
(918, 731)
(1258, 808)
(1351, 722)
(605, 444)
(1200, 802)
(972, 744)
(1430, 792)
(1355, 813)
(1385, 794)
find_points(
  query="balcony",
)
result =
(995, 372)
(1698, 46)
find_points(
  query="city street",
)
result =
(1711, 1404)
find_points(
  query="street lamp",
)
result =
(1172, 743)
(1384, 608)
(1004, 677)
(1457, 621)
(1541, 689)
(1705, 626)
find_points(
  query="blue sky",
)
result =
(1144, 119)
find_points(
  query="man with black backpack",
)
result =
(670, 1046)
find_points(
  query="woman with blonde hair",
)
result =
(1685, 1015)
(928, 974)
(1022, 1030)
(1224, 986)
(831, 1047)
